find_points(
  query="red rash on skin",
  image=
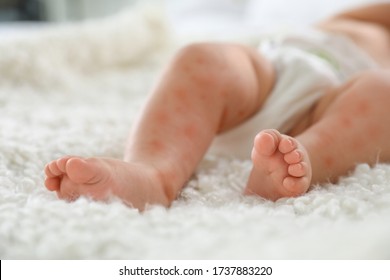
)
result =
(200, 60)
(156, 146)
(186, 68)
(190, 130)
(241, 114)
(181, 94)
(162, 117)
(329, 161)
(363, 108)
(183, 98)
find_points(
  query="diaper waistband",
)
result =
(339, 51)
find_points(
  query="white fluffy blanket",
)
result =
(76, 90)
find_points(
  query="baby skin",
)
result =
(103, 179)
(210, 88)
(281, 166)
(279, 162)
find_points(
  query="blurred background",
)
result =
(71, 10)
(58, 10)
(187, 16)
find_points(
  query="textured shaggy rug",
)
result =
(76, 90)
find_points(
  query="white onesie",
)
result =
(306, 64)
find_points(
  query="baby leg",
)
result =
(208, 88)
(350, 126)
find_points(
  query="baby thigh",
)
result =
(229, 82)
(352, 129)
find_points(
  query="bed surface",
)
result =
(76, 89)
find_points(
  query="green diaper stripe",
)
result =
(326, 57)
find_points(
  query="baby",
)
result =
(224, 96)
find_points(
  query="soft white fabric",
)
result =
(76, 90)
(307, 63)
(335, 49)
(224, 17)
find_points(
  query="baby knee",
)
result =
(201, 62)
(197, 54)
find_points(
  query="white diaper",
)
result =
(306, 63)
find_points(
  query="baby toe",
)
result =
(61, 163)
(52, 169)
(53, 183)
(287, 145)
(266, 142)
(298, 169)
(293, 157)
(296, 186)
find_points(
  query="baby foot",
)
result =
(281, 167)
(100, 178)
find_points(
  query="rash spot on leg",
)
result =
(362, 108)
(181, 97)
(346, 122)
(329, 161)
(200, 60)
(180, 93)
(156, 146)
(162, 117)
(190, 130)
(241, 114)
